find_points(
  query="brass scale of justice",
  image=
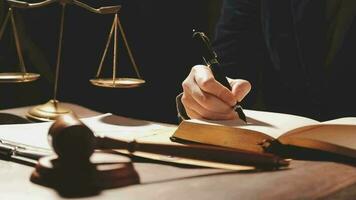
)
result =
(53, 108)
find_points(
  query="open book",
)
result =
(335, 136)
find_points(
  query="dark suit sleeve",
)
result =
(239, 41)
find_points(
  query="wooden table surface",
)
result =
(303, 180)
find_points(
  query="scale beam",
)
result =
(101, 10)
(23, 4)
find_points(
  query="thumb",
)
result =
(240, 88)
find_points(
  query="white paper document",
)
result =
(35, 134)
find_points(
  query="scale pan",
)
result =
(18, 77)
(117, 83)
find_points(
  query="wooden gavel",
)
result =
(73, 141)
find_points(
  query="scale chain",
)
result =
(17, 42)
(106, 49)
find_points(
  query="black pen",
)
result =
(211, 60)
(9, 150)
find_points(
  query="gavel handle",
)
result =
(197, 152)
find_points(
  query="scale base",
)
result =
(48, 111)
(105, 170)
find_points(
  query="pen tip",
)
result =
(240, 113)
(284, 162)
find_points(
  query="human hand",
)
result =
(205, 98)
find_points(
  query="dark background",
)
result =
(159, 34)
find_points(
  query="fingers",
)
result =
(204, 97)
(240, 88)
(207, 83)
(195, 111)
(208, 101)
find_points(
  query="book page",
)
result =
(271, 124)
(344, 121)
(337, 136)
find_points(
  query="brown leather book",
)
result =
(335, 136)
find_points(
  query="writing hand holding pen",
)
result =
(205, 98)
(207, 92)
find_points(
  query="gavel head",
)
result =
(71, 139)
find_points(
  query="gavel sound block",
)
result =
(77, 167)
